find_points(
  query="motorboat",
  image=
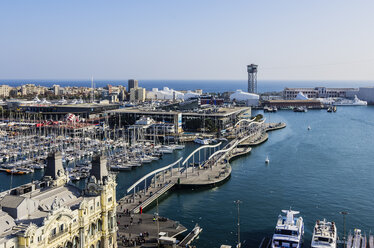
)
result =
(289, 231)
(166, 149)
(178, 147)
(270, 109)
(309, 128)
(357, 240)
(324, 235)
(202, 141)
(267, 160)
(300, 109)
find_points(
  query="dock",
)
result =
(207, 166)
(191, 236)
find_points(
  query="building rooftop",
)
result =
(206, 112)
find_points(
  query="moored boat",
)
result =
(202, 141)
(289, 231)
(324, 235)
(357, 240)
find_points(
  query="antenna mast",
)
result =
(92, 90)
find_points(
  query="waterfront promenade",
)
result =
(194, 171)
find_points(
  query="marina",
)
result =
(258, 153)
(186, 124)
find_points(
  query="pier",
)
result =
(208, 165)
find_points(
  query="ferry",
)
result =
(356, 240)
(324, 235)
(289, 231)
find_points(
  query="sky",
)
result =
(171, 39)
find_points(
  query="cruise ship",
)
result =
(289, 231)
(324, 235)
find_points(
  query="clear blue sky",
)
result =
(311, 40)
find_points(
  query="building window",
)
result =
(53, 232)
(109, 199)
(99, 225)
(61, 227)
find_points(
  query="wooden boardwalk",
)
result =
(215, 170)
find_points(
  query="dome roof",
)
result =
(240, 95)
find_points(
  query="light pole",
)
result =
(344, 213)
(237, 204)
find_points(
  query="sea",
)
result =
(319, 172)
(206, 85)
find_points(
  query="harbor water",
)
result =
(318, 172)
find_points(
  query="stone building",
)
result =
(54, 213)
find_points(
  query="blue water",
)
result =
(205, 85)
(318, 172)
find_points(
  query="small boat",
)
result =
(267, 160)
(166, 150)
(202, 141)
(289, 231)
(371, 241)
(356, 240)
(178, 147)
(300, 109)
(309, 128)
(270, 109)
(324, 235)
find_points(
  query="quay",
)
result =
(143, 230)
(208, 165)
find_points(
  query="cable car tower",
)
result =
(252, 78)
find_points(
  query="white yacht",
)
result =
(289, 231)
(324, 235)
(202, 141)
(347, 102)
(166, 149)
(356, 240)
(178, 146)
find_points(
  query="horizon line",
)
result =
(196, 79)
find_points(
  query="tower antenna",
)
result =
(252, 78)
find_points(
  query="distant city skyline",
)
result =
(170, 40)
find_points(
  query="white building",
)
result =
(190, 94)
(366, 94)
(4, 90)
(317, 92)
(249, 98)
(137, 94)
(164, 94)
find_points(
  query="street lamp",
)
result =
(237, 204)
(344, 213)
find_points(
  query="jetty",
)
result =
(208, 165)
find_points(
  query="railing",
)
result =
(152, 173)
